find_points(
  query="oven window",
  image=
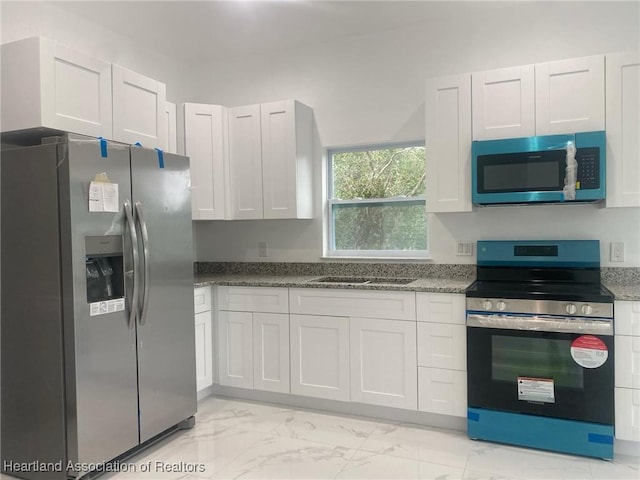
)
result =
(514, 357)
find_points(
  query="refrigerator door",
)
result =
(100, 342)
(166, 330)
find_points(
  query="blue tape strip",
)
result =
(103, 147)
(160, 158)
(598, 438)
(137, 144)
(473, 416)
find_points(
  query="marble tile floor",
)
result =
(245, 440)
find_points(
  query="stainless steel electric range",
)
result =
(540, 347)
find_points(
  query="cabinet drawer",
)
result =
(627, 318)
(442, 391)
(441, 308)
(254, 299)
(442, 345)
(202, 299)
(627, 402)
(627, 361)
(353, 303)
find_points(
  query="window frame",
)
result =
(331, 251)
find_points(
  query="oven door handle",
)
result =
(542, 324)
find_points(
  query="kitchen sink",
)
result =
(365, 280)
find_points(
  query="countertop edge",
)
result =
(621, 292)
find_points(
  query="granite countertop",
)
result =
(440, 285)
(626, 291)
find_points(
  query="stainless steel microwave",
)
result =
(539, 169)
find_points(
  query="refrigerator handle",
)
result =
(133, 307)
(145, 253)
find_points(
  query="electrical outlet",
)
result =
(464, 248)
(262, 249)
(617, 251)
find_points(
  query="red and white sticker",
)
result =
(589, 351)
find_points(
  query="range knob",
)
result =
(501, 305)
(571, 308)
(487, 304)
(587, 309)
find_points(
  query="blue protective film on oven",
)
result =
(539, 253)
(546, 433)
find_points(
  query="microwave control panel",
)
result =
(588, 167)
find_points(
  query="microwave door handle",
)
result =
(133, 236)
(145, 253)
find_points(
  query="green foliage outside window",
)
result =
(393, 180)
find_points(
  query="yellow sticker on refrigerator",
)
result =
(532, 389)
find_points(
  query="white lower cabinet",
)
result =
(627, 370)
(442, 391)
(320, 356)
(271, 352)
(204, 337)
(442, 353)
(235, 332)
(383, 362)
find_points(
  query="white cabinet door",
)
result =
(320, 356)
(138, 108)
(287, 149)
(627, 402)
(442, 391)
(503, 103)
(448, 143)
(205, 134)
(442, 345)
(45, 84)
(204, 351)
(170, 128)
(623, 125)
(245, 163)
(570, 96)
(235, 344)
(383, 362)
(271, 352)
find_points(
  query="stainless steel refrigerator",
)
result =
(97, 343)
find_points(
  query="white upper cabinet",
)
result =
(623, 125)
(245, 163)
(204, 130)
(45, 84)
(448, 143)
(570, 96)
(287, 150)
(138, 108)
(564, 96)
(503, 103)
(270, 161)
(170, 128)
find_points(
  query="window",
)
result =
(376, 200)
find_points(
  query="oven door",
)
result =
(550, 366)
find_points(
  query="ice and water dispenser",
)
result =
(105, 268)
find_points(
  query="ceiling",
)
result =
(208, 30)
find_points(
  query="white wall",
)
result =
(28, 19)
(371, 89)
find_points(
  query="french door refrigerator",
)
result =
(97, 339)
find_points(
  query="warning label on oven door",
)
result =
(589, 351)
(536, 390)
